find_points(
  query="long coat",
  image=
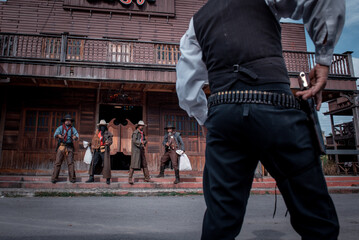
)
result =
(105, 169)
(136, 149)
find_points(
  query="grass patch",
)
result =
(64, 194)
(12, 195)
(171, 194)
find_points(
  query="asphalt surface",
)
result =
(160, 218)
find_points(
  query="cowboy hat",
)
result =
(67, 117)
(102, 122)
(141, 123)
(170, 126)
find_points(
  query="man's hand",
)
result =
(318, 79)
(60, 136)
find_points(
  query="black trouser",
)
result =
(240, 135)
(98, 161)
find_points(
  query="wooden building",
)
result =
(107, 59)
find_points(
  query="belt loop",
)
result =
(235, 68)
(245, 110)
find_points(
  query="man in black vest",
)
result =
(235, 46)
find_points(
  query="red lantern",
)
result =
(127, 2)
(140, 2)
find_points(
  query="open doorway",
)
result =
(120, 161)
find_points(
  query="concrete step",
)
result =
(190, 184)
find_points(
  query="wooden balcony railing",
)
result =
(65, 48)
(344, 131)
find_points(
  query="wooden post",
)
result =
(97, 113)
(356, 121)
(63, 46)
(144, 110)
(334, 142)
(350, 63)
(2, 124)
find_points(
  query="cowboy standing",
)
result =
(235, 46)
(138, 158)
(172, 141)
(101, 160)
(65, 134)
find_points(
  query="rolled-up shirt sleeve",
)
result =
(191, 77)
(323, 19)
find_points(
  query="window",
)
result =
(8, 45)
(120, 52)
(185, 125)
(51, 48)
(75, 49)
(39, 128)
(167, 54)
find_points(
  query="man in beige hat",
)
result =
(101, 162)
(138, 158)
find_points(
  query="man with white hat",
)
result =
(101, 162)
(138, 158)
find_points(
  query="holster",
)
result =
(62, 146)
(309, 108)
(102, 148)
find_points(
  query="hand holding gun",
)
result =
(308, 105)
(318, 79)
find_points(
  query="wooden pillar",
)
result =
(356, 121)
(144, 108)
(97, 112)
(334, 142)
(2, 123)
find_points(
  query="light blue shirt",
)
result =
(323, 19)
(72, 132)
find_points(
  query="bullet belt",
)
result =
(250, 96)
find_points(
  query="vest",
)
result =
(240, 41)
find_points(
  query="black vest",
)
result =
(240, 40)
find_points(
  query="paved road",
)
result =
(159, 218)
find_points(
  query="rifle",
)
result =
(308, 106)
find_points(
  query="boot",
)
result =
(147, 175)
(130, 175)
(162, 172)
(177, 177)
(108, 181)
(91, 179)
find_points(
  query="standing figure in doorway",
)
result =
(101, 162)
(172, 141)
(138, 158)
(65, 134)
